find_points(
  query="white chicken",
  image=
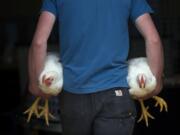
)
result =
(50, 82)
(142, 82)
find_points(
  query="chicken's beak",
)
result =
(142, 82)
(47, 81)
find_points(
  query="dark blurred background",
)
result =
(18, 20)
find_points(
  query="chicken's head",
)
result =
(141, 80)
(49, 78)
(48, 83)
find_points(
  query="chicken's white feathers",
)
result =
(138, 66)
(52, 68)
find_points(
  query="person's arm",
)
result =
(154, 50)
(38, 50)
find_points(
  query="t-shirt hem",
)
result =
(142, 13)
(48, 10)
(93, 90)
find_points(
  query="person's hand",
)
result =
(36, 91)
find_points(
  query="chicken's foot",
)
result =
(45, 112)
(161, 103)
(33, 109)
(144, 113)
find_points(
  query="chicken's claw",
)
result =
(144, 113)
(45, 112)
(33, 109)
(161, 102)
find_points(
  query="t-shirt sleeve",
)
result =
(50, 6)
(138, 8)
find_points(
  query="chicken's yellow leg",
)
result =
(33, 109)
(161, 102)
(144, 113)
(45, 112)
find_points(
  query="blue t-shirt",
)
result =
(94, 41)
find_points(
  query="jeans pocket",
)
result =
(119, 104)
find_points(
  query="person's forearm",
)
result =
(154, 50)
(155, 56)
(37, 53)
(38, 50)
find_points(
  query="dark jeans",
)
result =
(101, 113)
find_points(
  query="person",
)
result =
(94, 45)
